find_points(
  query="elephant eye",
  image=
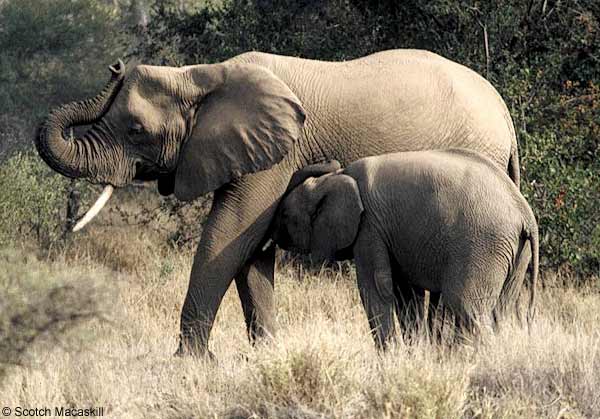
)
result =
(135, 128)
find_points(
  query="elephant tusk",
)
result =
(95, 209)
(267, 245)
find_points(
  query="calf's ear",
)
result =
(313, 170)
(337, 216)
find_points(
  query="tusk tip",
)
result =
(267, 245)
(95, 209)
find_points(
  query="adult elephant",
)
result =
(241, 128)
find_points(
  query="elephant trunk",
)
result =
(86, 156)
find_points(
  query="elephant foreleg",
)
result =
(230, 247)
(411, 305)
(374, 279)
(255, 285)
(206, 289)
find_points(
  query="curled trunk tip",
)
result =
(117, 69)
(62, 154)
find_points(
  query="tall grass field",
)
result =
(95, 324)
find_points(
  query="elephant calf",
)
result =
(448, 221)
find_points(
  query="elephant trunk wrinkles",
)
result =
(86, 156)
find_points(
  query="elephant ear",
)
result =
(248, 123)
(337, 216)
(313, 170)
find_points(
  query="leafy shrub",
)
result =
(32, 201)
(559, 131)
(179, 222)
(14, 133)
(52, 52)
(33, 209)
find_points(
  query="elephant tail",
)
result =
(533, 239)
(511, 290)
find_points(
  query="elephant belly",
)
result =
(419, 272)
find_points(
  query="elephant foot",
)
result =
(187, 350)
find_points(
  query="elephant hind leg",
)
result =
(472, 297)
(471, 321)
(415, 312)
(410, 301)
(512, 287)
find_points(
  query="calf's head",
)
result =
(320, 213)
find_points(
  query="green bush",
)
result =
(542, 56)
(32, 201)
(558, 127)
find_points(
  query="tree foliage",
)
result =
(51, 52)
(543, 56)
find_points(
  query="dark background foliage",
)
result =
(543, 56)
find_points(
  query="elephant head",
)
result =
(192, 128)
(320, 212)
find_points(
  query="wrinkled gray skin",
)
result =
(446, 221)
(241, 128)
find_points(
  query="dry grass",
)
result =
(321, 364)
